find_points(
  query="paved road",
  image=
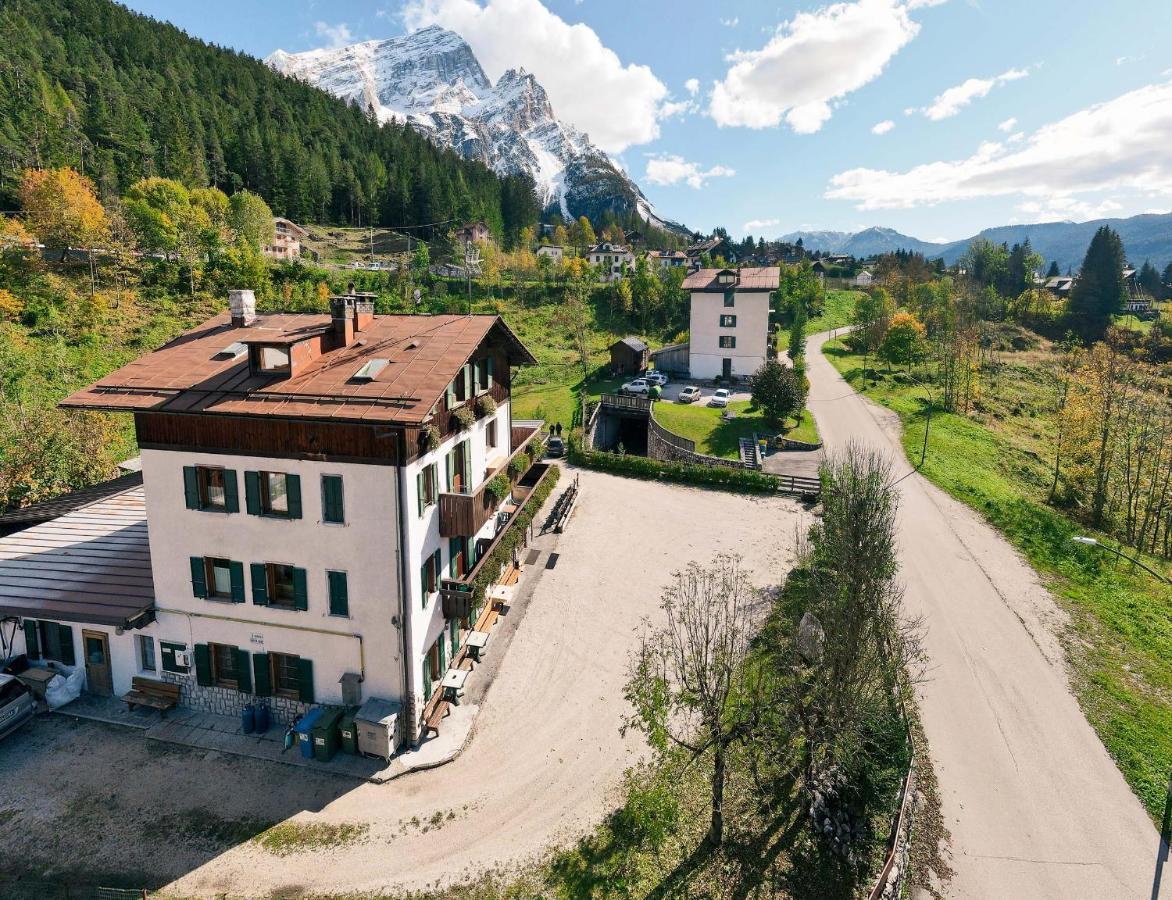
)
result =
(1036, 807)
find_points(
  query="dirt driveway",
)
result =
(545, 762)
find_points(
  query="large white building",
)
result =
(729, 323)
(317, 493)
(612, 260)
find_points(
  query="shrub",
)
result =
(727, 477)
(485, 405)
(429, 438)
(520, 464)
(464, 418)
(498, 486)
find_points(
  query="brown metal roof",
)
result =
(750, 278)
(193, 374)
(92, 565)
(56, 507)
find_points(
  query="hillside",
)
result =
(1146, 236)
(118, 96)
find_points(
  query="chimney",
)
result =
(242, 306)
(342, 317)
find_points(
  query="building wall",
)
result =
(365, 547)
(751, 332)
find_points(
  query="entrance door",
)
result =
(99, 679)
(726, 368)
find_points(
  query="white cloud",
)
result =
(812, 60)
(1061, 209)
(693, 86)
(953, 100)
(672, 108)
(338, 35)
(1008, 125)
(731, 23)
(1119, 145)
(669, 169)
(617, 105)
(882, 127)
(759, 225)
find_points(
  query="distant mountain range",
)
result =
(1144, 237)
(433, 81)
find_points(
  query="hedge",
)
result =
(746, 480)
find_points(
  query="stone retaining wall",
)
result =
(664, 446)
(787, 444)
(228, 702)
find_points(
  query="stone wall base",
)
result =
(227, 702)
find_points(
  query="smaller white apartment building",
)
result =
(311, 487)
(613, 260)
(553, 251)
(729, 321)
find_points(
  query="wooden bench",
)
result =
(434, 712)
(159, 695)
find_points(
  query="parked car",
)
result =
(555, 447)
(639, 386)
(16, 704)
(690, 394)
(656, 377)
(720, 397)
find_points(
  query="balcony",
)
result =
(463, 513)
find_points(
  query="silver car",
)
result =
(16, 704)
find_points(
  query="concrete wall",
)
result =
(706, 356)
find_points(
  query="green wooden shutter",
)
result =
(339, 594)
(203, 665)
(466, 451)
(199, 577)
(450, 395)
(293, 487)
(32, 645)
(419, 492)
(252, 493)
(243, 672)
(426, 678)
(423, 582)
(468, 389)
(300, 590)
(333, 508)
(448, 470)
(454, 630)
(262, 684)
(237, 571)
(488, 375)
(443, 652)
(190, 487)
(231, 492)
(305, 680)
(260, 584)
(65, 637)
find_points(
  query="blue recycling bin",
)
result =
(303, 730)
(248, 720)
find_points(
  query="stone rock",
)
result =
(811, 638)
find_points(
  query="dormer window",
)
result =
(726, 278)
(272, 359)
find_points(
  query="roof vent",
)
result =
(233, 351)
(370, 369)
(413, 345)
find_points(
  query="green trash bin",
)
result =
(348, 732)
(325, 734)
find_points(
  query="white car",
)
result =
(657, 378)
(720, 397)
(690, 394)
(639, 386)
(16, 704)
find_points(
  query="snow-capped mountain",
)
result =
(432, 80)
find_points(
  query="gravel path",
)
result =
(546, 760)
(1036, 807)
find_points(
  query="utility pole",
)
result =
(471, 265)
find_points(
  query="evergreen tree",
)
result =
(1053, 272)
(1099, 293)
(1149, 279)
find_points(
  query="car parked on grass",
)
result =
(690, 394)
(721, 397)
(16, 704)
(640, 387)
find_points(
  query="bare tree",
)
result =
(689, 682)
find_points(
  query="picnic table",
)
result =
(453, 684)
(475, 642)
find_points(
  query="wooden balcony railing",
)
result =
(464, 513)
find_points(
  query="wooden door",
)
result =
(726, 368)
(98, 676)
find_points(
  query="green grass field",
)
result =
(837, 313)
(703, 424)
(1120, 639)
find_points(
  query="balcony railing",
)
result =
(463, 513)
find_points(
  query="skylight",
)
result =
(234, 351)
(371, 368)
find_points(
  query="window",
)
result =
(429, 577)
(728, 341)
(281, 585)
(730, 298)
(484, 375)
(490, 435)
(461, 387)
(457, 465)
(210, 488)
(171, 661)
(272, 360)
(727, 278)
(217, 579)
(728, 321)
(339, 593)
(146, 653)
(425, 487)
(286, 672)
(457, 557)
(273, 494)
(219, 574)
(49, 640)
(225, 671)
(333, 506)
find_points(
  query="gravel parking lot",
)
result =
(544, 764)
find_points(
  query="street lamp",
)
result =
(1095, 542)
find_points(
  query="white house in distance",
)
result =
(287, 237)
(553, 251)
(666, 259)
(612, 259)
(729, 324)
(863, 280)
(314, 509)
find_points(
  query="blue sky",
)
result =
(762, 116)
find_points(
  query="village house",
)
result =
(659, 260)
(628, 356)
(553, 251)
(613, 260)
(473, 233)
(729, 321)
(318, 494)
(863, 280)
(287, 237)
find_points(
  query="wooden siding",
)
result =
(462, 515)
(270, 436)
